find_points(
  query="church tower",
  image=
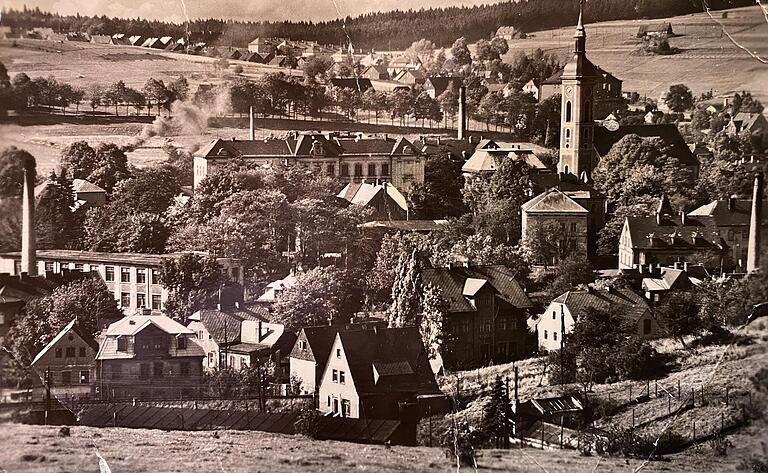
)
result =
(576, 123)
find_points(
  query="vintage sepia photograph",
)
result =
(344, 236)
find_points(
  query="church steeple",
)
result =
(581, 35)
(576, 122)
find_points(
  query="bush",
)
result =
(637, 359)
(308, 423)
(754, 465)
(458, 442)
(438, 424)
(238, 69)
(720, 445)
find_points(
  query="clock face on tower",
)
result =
(569, 91)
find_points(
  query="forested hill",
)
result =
(381, 31)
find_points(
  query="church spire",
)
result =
(581, 34)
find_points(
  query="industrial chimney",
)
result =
(462, 112)
(28, 240)
(252, 127)
(755, 222)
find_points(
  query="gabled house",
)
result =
(435, 86)
(275, 288)
(88, 193)
(655, 29)
(149, 356)
(530, 87)
(556, 206)
(656, 286)
(70, 359)
(101, 39)
(509, 33)
(755, 124)
(376, 374)
(386, 201)
(359, 85)
(376, 72)
(486, 315)
(562, 314)
(410, 77)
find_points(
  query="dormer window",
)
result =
(122, 344)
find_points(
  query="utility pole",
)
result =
(47, 393)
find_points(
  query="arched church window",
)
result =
(568, 111)
(587, 110)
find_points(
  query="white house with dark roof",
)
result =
(386, 201)
(149, 356)
(562, 314)
(70, 358)
(133, 278)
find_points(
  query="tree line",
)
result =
(382, 30)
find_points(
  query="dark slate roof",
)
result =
(668, 132)
(355, 83)
(556, 78)
(440, 84)
(722, 216)
(452, 280)
(228, 320)
(631, 305)
(391, 350)
(649, 234)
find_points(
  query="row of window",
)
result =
(66, 377)
(358, 170)
(338, 376)
(346, 406)
(157, 369)
(125, 275)
(153, 343)
(70, 352)
(546, 335)
(141, 300)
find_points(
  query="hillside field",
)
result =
(708, 59)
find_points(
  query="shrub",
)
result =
(459, 442)
(238, 69)
(308, 423)
(637, 359)
(720, 445)
(754, 465)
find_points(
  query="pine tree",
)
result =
(403, 312)
(498, 415)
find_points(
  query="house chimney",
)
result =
(685, 266)
(252, 125)
(462, 126)
(755, 221)
(682, 218)
(28, 239)
(732, 203)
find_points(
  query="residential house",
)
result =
(311, 351)
(486, 314)
(530, 87)
(136, 40)
(655, 29)
(379, 228)
(385, 200)
(149, 356)
(238, 336)
(654, 117)
(435, 86)
(69, 361)
(376, 72)
(563, 313)
(509, 33)
(88, 193)
(555, 206)
(657, 285)
(720, 228)
(410, 77)
(376, 374)
(120, 39)
(403, 63)
(262, 46)
(232, 54)
(133, 278)
(374, 59)
(276, 287)
(349, 159)
(101, 39)
(754, 124)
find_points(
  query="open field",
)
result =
(708, 59)
(29, 448)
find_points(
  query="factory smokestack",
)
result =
(462, 112)
(252, 125)
(28, 240)
(755, 223)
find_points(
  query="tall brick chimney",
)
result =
(755, 222)
(252, 125)
(462, 127)
(28, 240)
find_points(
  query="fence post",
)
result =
(633, 418)
(702, 395)
(669, 404)
(694, 431)
(656, 388)
(679, 391)
(693, 396)
(542, 435)
(561, 432)
(648, 388)
(726, 395)
(630, 393)
(722, 422)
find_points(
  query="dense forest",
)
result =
(380, 31)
